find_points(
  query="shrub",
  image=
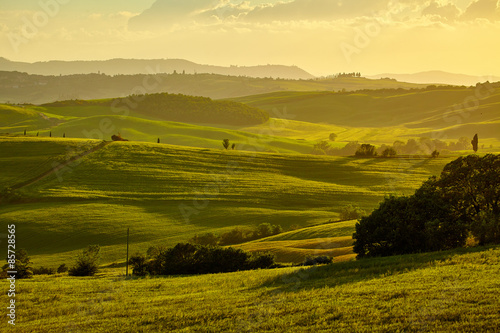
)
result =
(261, 260)
(366, 150)
(206, 239)
(389, 152)
(44, 271)
(139, 264)
(320, 260)
(351, 212)
(199, 259)
(87, 262)
(62, 268)
(22, 266)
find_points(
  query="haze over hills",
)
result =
(153, 66)
(438, 77)
(16, 87)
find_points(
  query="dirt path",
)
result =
(59, 166)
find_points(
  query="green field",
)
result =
(382, 116)
(453, 291)
(166, 194)
(299, 119)
(64, 194)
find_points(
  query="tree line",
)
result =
(420, 146)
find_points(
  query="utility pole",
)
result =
(128, 232)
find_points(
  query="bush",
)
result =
(320, 260)
(22, 266)
(389, 152)
(206, 239)
(62, 268)
(351, 212)
(139, 264)
(366, 150)
(199, 259)
(44, 271)
(87, 262)
(260, 260)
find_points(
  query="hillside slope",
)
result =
(452, 291)
(166, 194)
(16, 87)
(439, 113)
(143, 66)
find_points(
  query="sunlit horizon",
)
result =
(321, 37)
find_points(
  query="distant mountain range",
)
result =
(438, 77)
(154, 66)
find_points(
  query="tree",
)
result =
(366, 150)
(139, 264)
(206, 239)
(233, 146)
(23, 265)
(87, 262)
(475, 143)
(263, 230)
(62, 268)
(389, 152)
(321, 148)
(351, 212)
(225, 143)
(435, 154)
(333, 136)
(464, 199)
(471, 185)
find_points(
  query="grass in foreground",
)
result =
(453, 291)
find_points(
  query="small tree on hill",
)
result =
(351, 212)
(475, 143)
(366, 150)
(206, 239)
(333, 137)
(87, 262)
(389, 152)
(22, 265)
(225, 143)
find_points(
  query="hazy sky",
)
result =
(320, 36)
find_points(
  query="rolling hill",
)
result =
(17, 87)
(439, 112)
(146, 66)
(166, 194)
(438, 77)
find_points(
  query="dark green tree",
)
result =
(389, 152)
(225, 143)
(366, 150)
(475, 143)
(471, 185)
(23, 265)
(206, 239)
(87, 262)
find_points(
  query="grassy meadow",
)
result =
(64, 194)
(166, 193)
(452, 291)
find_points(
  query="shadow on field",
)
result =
(360, 270)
